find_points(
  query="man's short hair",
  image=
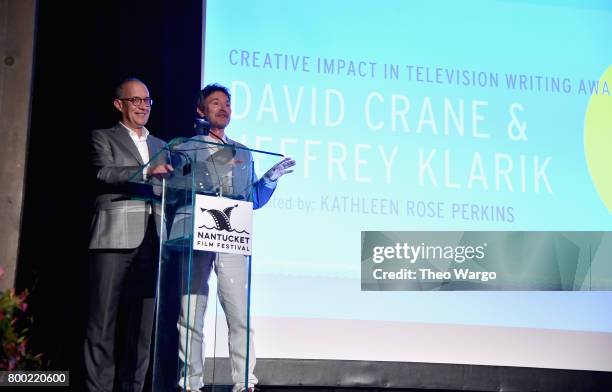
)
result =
(119, 88)
(211, 88)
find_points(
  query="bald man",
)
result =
(124, 244)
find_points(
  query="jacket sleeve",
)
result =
(262, 191)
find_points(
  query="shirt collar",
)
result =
(213, 139)
(133, 133)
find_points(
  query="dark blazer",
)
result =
(124, 200)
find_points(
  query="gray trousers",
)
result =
(231, 273)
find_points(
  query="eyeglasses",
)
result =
(137, 101)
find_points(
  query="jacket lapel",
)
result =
(155, 146)
(240, 171)
(122, 137)
(152, 149)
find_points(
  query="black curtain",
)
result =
(82, 51)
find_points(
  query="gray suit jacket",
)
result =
(244, 181)
(122, 207)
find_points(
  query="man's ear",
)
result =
(118, 104)
(200, 112)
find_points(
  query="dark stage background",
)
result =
(82, 50)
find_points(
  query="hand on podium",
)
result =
(281, 168)
(160, 171)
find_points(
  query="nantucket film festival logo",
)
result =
(222, 225)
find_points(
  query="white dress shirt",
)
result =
(141, 145)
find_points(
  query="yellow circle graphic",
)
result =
(598, 139)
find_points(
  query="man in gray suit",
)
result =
(124, 244)
(214, 106)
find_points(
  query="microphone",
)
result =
(202, 126)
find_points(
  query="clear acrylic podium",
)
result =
(186, 286)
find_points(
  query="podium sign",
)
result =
(222, 225)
